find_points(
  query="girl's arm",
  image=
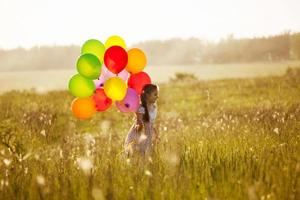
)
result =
(139, 121)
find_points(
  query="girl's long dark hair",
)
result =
(147, 89)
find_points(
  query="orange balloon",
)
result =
(83, 108)
(136, 61)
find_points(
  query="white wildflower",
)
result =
(85, 164)
(276, 130)
(282, 144)
(7, 162)
(40, 180)
(43, 133)
(89, 139)
(148, 173)
(105, 125)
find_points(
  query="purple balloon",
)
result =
(106, 74)
(130, 103)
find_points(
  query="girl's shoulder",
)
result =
(141, 108)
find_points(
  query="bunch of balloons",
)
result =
(108, 73)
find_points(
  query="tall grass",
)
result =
(225, 139)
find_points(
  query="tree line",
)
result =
(176, 51)
(285, 46)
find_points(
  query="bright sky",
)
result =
(27, 23)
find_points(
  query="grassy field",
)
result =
(224, 139)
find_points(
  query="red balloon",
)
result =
(101, 100)
(138, 81)
(115, 59)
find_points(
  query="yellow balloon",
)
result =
(115, 41)
(136, 61)
(115, 88)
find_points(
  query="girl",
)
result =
(142, 134)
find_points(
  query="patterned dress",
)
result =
(141, 142)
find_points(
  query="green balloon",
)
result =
(81, 87)
(94, 47)
(89, 66)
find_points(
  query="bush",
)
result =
(184, 77)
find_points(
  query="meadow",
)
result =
(220, 139)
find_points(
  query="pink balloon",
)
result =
(123, 75)
(100, 82)
(96, 82)
(103, 78)
(104, 69)
(106, 74)
(130, 103)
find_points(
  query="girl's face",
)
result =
(152, 97)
